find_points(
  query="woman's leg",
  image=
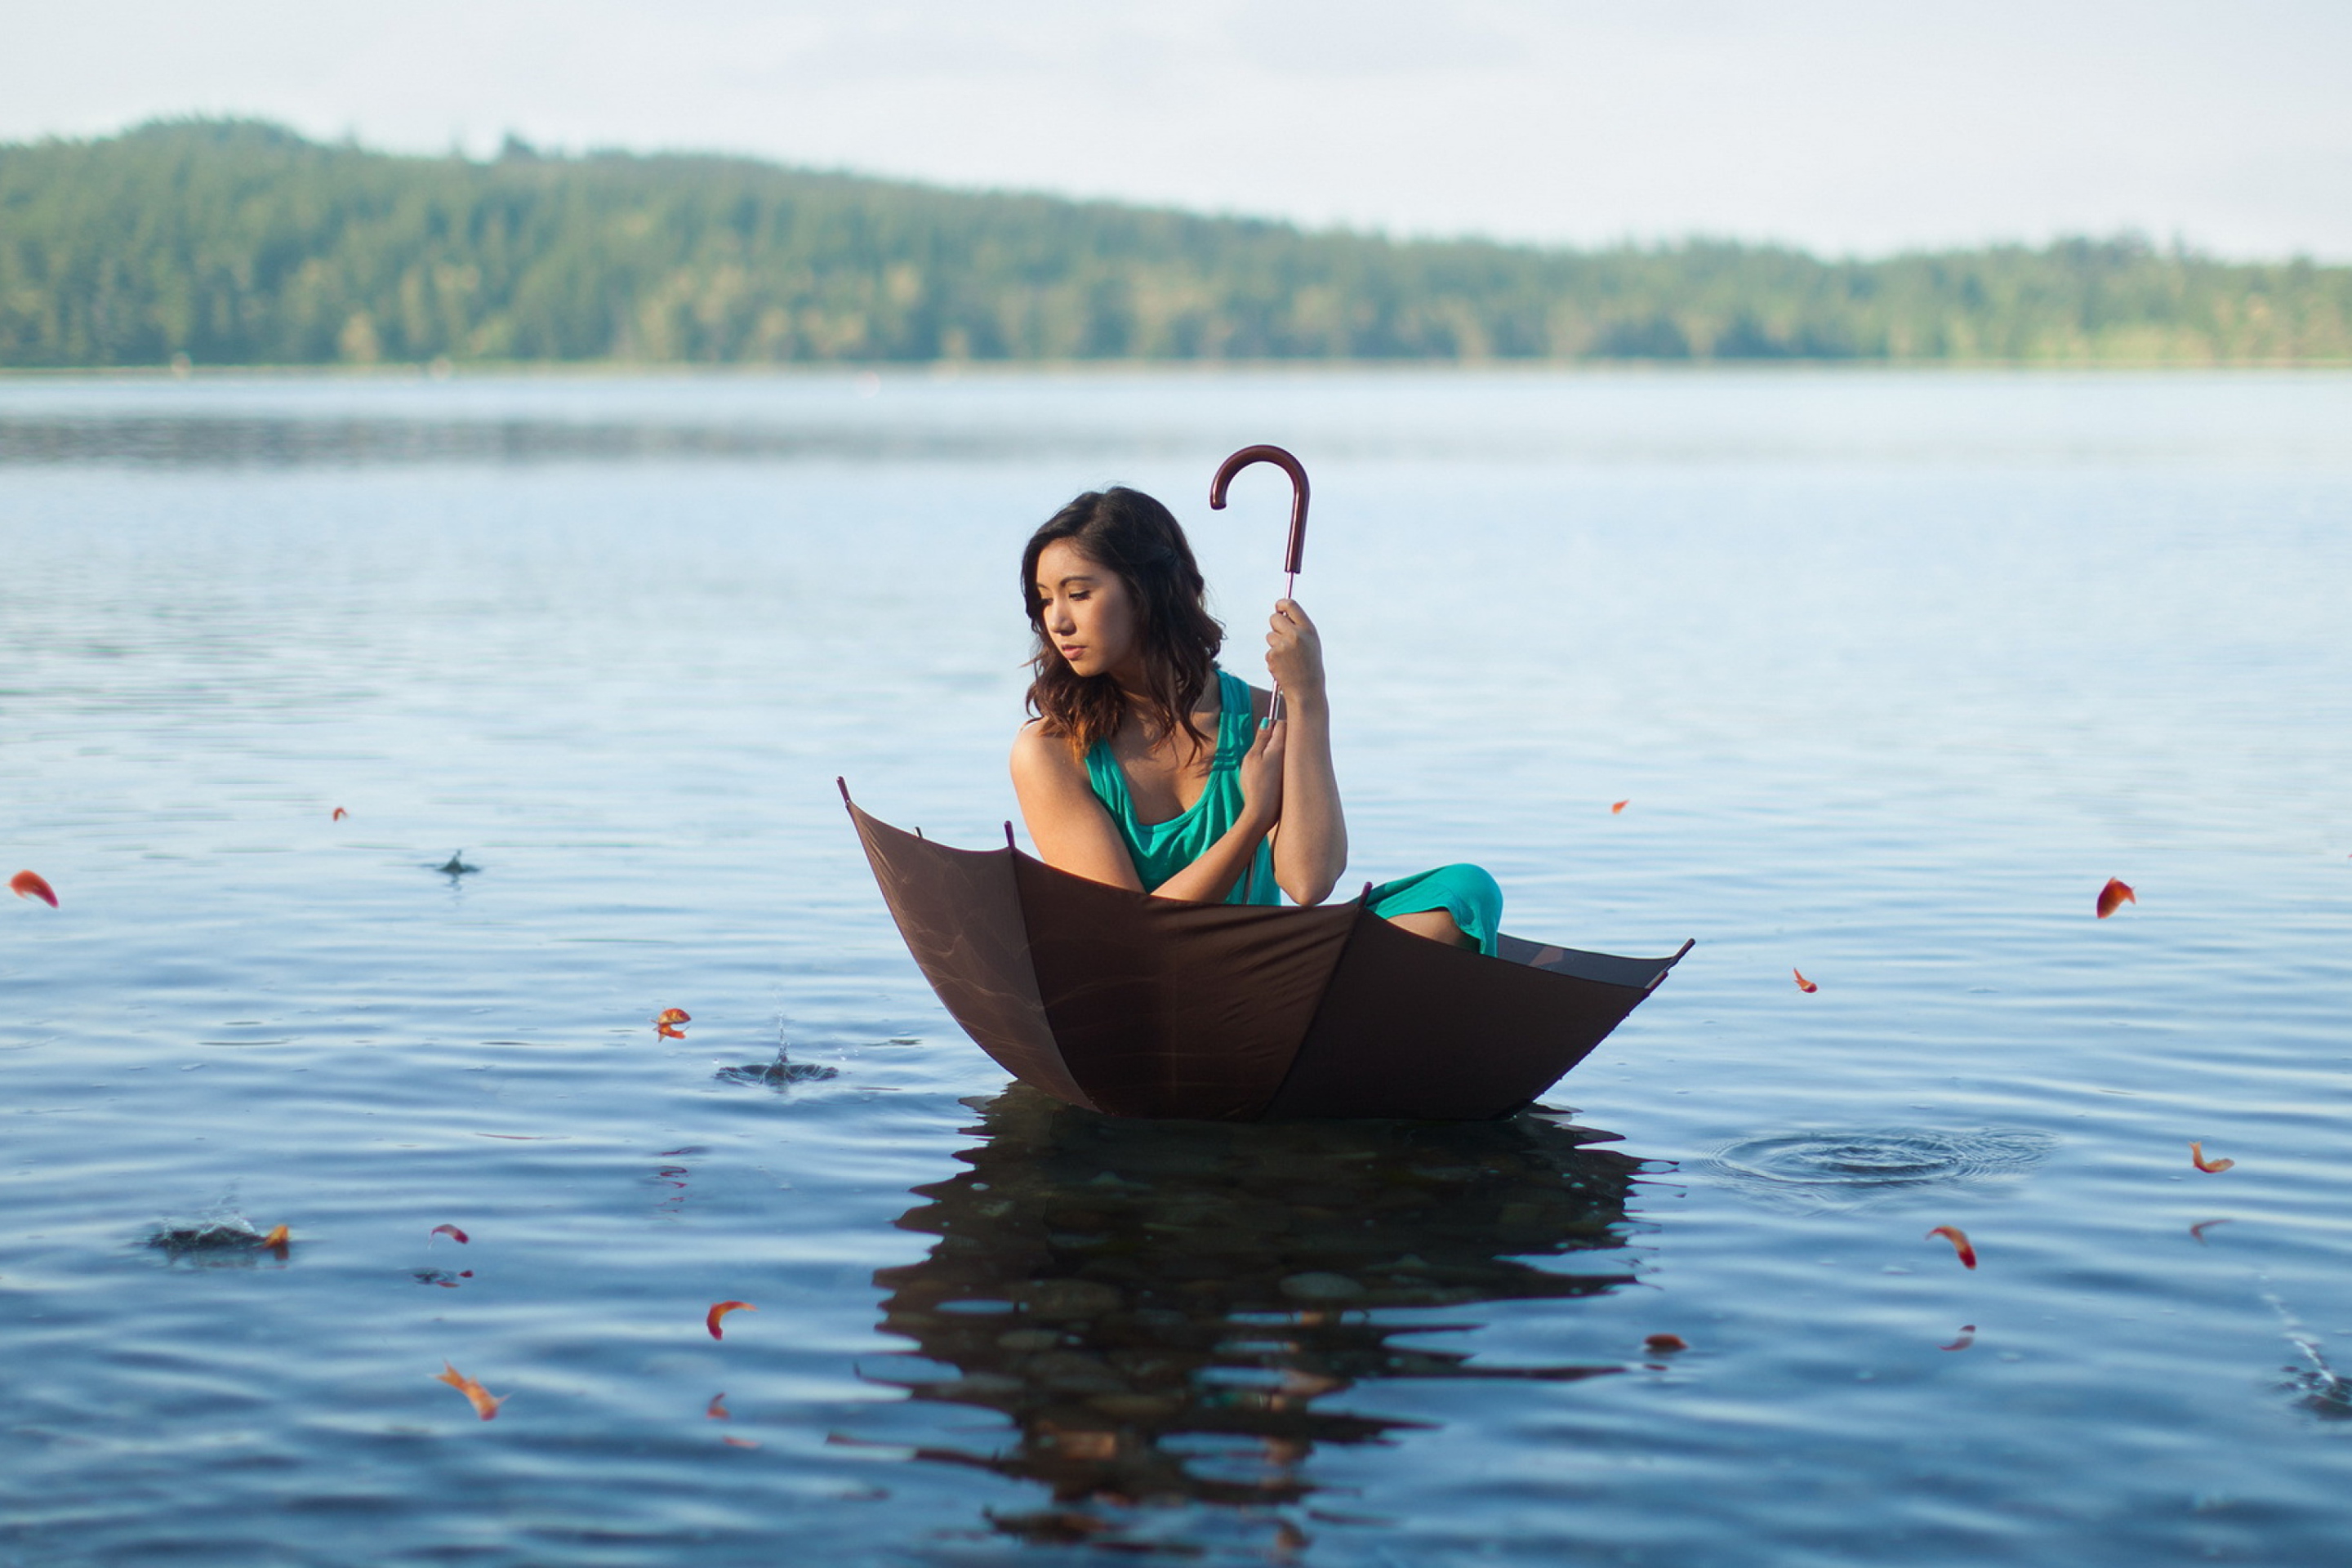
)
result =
(1435, 924)
(1458, 905)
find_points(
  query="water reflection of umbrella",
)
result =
(1160, 1309)
(1137, 1005)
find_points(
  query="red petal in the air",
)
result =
(710, 1319)
(1959, 1240)
(485, 1405)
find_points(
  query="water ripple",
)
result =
(1847, 1169)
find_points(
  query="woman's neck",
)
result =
(1133, 681)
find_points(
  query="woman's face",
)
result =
(1088, 612)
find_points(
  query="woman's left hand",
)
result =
(1294, 651)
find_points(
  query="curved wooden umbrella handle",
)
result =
(1288, 465)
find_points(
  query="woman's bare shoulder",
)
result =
(1038, 755)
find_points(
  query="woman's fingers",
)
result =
(1288, 622)
(1293, 654)
(1261, 773)
(1265, 749)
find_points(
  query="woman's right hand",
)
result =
(1262, 775)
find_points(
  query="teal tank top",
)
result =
(1161, 849)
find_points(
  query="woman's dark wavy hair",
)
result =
(1128, 534)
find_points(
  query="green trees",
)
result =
(237, 242)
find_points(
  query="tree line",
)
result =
(239, 242)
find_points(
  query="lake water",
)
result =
(1894, 670)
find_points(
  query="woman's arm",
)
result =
(1074, 832)
(1071, 829)
(1310, 850)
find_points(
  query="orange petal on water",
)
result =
(717, 1409)
(485, 1403)
(2212, 1167)
(2114, 896)
(667, 1033)
(1619, 807)
(1666, 1342)
(452, 1232)
(2202, 1225)
(710, 1319)
(1805, 984)
(1968, 1337)
(340, 815)
(739, 1442)
(33, 885)
(1959, 1240)
(675, 1016)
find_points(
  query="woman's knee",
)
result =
(1438, 925)
(1476, 886)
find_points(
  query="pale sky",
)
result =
(1841, 125)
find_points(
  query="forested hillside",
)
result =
(241, 243)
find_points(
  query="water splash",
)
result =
(224, 1239)
(2326, 1392)
(779, 1074)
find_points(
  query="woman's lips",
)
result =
(1071, 650)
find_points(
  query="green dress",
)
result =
(1161, 849)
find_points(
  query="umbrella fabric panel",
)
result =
(960, 916)
(1412, 1027)
(1641, 973)
(1165, 1007)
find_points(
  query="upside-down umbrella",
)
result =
(1138, 1006)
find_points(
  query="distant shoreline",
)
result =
(938, 371)
(240, 243)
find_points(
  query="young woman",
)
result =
(1149, 768)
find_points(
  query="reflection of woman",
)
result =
(1149, 768)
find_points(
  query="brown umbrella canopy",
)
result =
(1136, 1006)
